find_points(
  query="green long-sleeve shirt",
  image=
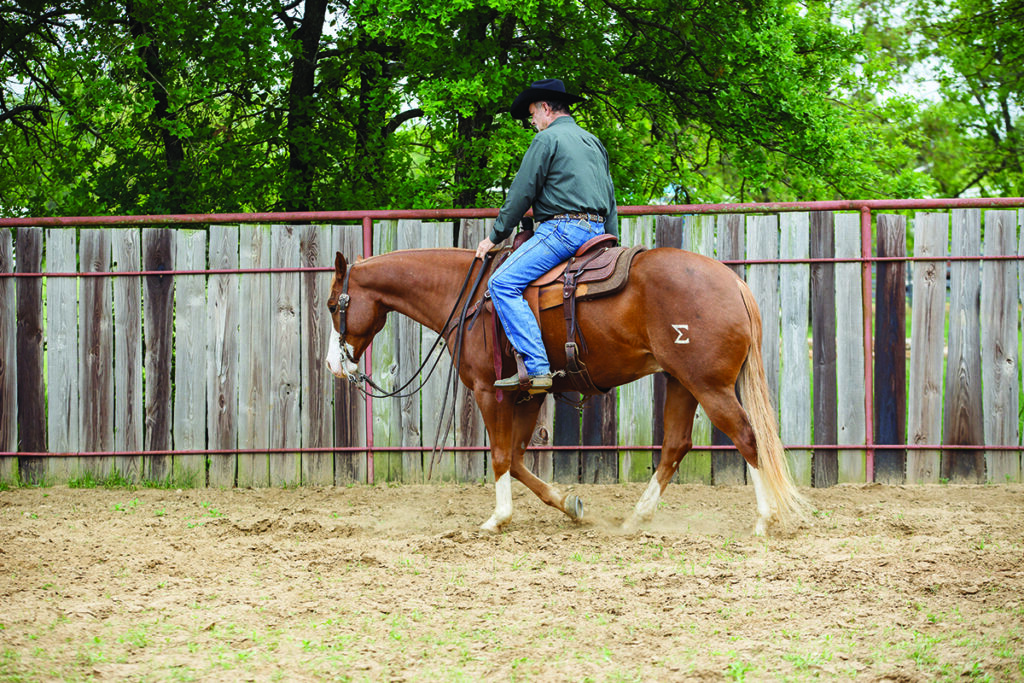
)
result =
(565, 170)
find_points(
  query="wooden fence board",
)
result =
(254, 360)
(63, 421)
(315, 388)
(96, 353)
(635, 409)
(962, 416)
(31, 392)
(850, 418)
(763, 243)
(668, 232)
(8, 363)
(472, 466)
(1020, 284)
(795, 373)
(436, 392)
(387, 424)
(999, 311)
(158, 317)
(190, 358)
(285, 354)
(349, 404)
(410, 342)
(890, 350)
(222, 356)
(928, 313)
(567, 429)
(699, 237)
(597, 428)
(129, 418)
(823, 334)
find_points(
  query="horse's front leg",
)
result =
(510, 426)
(503, 500)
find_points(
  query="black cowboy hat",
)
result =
(547, 90)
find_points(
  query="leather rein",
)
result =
(377, 391)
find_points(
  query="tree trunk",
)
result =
(302, 154)
(162, 116)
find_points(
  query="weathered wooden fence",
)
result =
(196, 356)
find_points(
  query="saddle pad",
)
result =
(607, 279)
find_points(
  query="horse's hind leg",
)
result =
(680, 407)
(728, 415)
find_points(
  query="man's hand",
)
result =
(485, 246)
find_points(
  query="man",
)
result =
(564, 176)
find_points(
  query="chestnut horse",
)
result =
(681, 313)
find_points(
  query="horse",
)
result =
(680, 313)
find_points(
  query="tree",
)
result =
(974, 144)
(139, 106)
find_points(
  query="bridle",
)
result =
(340, 306)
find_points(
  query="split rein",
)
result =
(377, 391)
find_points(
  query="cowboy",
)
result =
(564, 176)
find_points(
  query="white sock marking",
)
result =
(648, 502)
(764, 510)
(503, 503)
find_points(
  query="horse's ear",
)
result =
(339, 263)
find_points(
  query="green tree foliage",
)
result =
(943, 83)
(166, 106)
(973, 142)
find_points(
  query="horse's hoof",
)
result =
(574, 507)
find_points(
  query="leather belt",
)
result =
(592, 217)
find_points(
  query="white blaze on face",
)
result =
(337, 362)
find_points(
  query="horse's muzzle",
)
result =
(339, 360)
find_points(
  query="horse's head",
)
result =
(356, 319)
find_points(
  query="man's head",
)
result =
(542, 113)
(549, 93)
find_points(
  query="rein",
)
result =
(380, 392)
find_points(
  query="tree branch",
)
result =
(35, 109)
(396, 122)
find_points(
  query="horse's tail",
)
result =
(772, 463)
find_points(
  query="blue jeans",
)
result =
(553, 242)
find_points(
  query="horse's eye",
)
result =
(332, 306)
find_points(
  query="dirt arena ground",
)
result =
(395, 584)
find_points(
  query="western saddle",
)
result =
(599, 268)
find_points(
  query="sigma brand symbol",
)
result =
(683, 332)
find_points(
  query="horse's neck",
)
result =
(422, 283)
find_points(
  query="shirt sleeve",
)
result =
(525, 186)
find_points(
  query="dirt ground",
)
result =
(396, 583)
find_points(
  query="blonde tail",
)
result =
(787, 502)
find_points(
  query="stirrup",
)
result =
(538, 384)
